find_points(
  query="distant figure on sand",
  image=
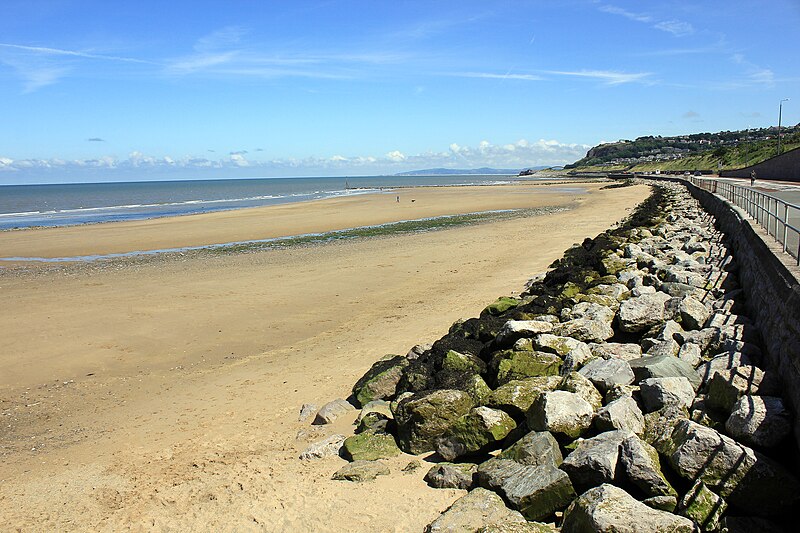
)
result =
(398, 199)
(752, 178)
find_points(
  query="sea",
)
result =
(23, 206)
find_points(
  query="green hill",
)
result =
(701, 151)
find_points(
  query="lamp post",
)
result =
(780, 112)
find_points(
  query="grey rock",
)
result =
(745, 478)
(642, 312)
(726, 386)
(593, 311)
(451, 476)
(642, 467)
(380, 381)
(702, 506)
(641, 290)
(664, 366)
(723, 361)
(609, 509)
(517, 396)
(514, 330)
(478, 508)
(586, 330)
(595, 461)
(476, 431)
(535, 491)
(561, 413)
(307, 411)
(662, 503)
(703, 337)
(560, 345)
(664, 347)
(509, 365)
(381, 407)
(622, 413)
(659, 426)
(660, 392)
(360, 471)
(325, 448)
(616, 350)
(606, 374)
(534, 449)
(761, 421)
(693, 313)
(424, 417)
(575, 382)
(332, 410)
(690, 353)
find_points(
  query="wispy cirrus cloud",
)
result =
(614, 10)
(497, 76)
(678, 28)
(608, 77)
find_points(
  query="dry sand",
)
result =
(163, 395)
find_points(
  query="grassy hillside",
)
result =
(730, 156)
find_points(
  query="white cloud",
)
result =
(609, 77)
(514, 155)
(495, 76)
(396, 156)
(614, 10)
(675, 27)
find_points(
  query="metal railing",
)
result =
(779, 218)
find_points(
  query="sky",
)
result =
(118, 91)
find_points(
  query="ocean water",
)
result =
(24, 206)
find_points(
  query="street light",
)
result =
(780, 112)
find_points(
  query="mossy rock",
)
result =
(602, 299)
(380, 381)
(510, 365)
(477, 431)
(571, 290)
(613, 265)
(370, 446)
(517, 396)
(702, 506)
(424, 417)
(460, 362)
(501, 305)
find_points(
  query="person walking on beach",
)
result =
(752, 178)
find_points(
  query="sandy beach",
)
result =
(163, 395)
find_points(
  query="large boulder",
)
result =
(609, 509)
(726, 386)
(331, 411)
(622, 413)
(478, 508)
(380, 381)
(745, 478)
(327, 447)
(693, 313)
(607, 374)
(514, 330)
(659, 392)
(642, 312)
(562, 413)
(535, 491)
(424, 417)
(369, 446)
(585, 329)
(477, 431)
(577, 383)
(534, 449)
(642, 467)
(664, 366)
(459, 362)
(561, 345)
(451, 475)
(509, 365)
(595, 461)
(359, 471)
(761, 421)
(616, 350)
(703, 506)
(516, 397)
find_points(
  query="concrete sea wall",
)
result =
(785, 167)
(770, 281)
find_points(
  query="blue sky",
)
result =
(100, 90)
